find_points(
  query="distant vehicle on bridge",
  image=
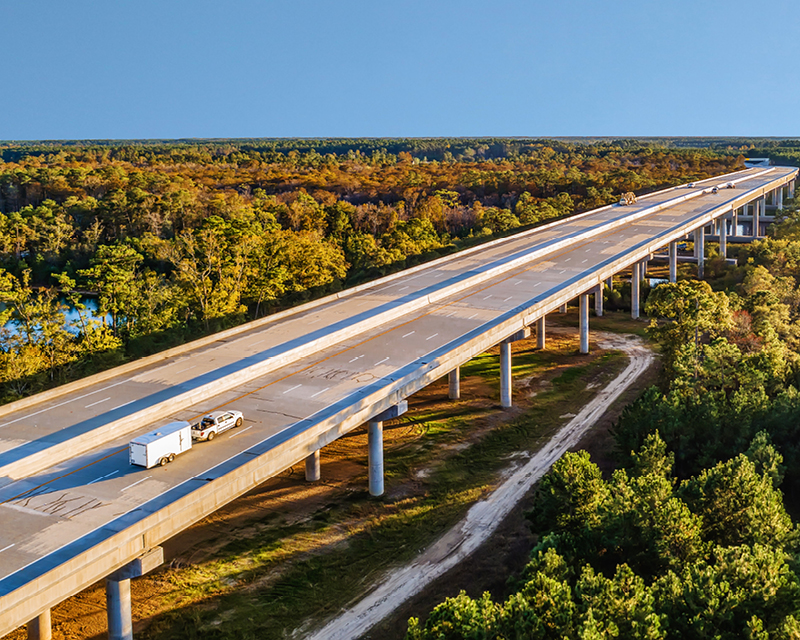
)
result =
(160, 446)
(627, 198)
(215, 423)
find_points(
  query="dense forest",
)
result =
(689, 538)
(173, 240)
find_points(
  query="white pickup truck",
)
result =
(215, 423)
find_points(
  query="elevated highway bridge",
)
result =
(75, 511)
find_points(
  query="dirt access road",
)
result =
(485, 516)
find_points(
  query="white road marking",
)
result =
(297, 386)
(61, 404)
(487, 297)
(403, 288)
(98, 402)
(384, 360)
(318, 392)
(587, 260)
(452, 313)
(409, 334)
(253, 344)
(508, 298)
(8, 547)
(472, 316)
(186, 369)
(135, 483)
(240, 432)
(433, 336)
(517, 282)
(108, 475)
(567, 259)
(124, 404)
(357, 357)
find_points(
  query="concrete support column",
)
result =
(779, 194)
(118, 592)
(598, 300)
(540, 333)
(735, 225)
(375, 443)
(454, 384)
(723, 237)
(758, 209)
(40, 627)
(505, 375)
(673, 261)
(700, 250)
(636, 280)
(312, 467)
(583, 316)
(791, 188)
(610, 283)
(118, 607)
(563, 308)
(375, 440)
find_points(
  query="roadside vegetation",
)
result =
(689, 537)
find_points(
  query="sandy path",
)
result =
(484, 517)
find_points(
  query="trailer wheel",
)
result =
(163, 461)
(211, 436)
(238, 422)
(171, 457)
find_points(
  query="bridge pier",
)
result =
(118, 593)
(779, 201)
(563, 308)
(583, 315)
(540, 333)
(454, 384)
(610, 283)
(673, 261)
(735, 223)
(757, 212)
(375, 442)
(723, 238)
(313, 473)
(700, 250)
(505, 375)
(636, 281)
(598, 300)
(40, 628)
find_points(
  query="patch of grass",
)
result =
(270, 584)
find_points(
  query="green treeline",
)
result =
(689, 538)
(174, 240)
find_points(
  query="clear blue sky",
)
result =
(267, 68)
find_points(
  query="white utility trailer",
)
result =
(161, 445)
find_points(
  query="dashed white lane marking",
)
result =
(409, 334)
(253, 344)
(402, 288)
(98, 402)
(238, 433)
(318, 392)
(357, 358)
(61, 404)
(508, 298)
(186, 369)
(433, 336)
(487, 297)
(517, 282)
(472, 316)
(108, 475)
(379, 362)
(124, 404)
(135, 483)
(8, 547)
(587, 260)
(297, 386)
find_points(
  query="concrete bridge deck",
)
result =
(74, 510)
